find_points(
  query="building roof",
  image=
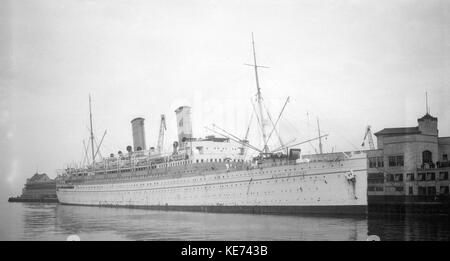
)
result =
(427, 117)
(443, 139)
(39, 178)
(398, 131)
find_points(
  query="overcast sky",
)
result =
(350, 63)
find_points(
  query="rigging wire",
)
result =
(273, 125)
(339, 134)
(299, 133)
(274, 129)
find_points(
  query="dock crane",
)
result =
(368, 136)
(162, 128)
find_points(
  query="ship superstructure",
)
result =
(215, 174)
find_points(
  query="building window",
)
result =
(426, 157)
(392, 162)
(399, 189)
(443, 190)
(443, 175)
(399, 160)
(380, 162)
(410, 191)
(395, 161)
(372, 162)
(445, 157)
(422, 190)
(389, 177)
(431, 190)
(410, 176)
(375, 178)
(430, 176)
(421, 176)
(376, 162)
(398, 177)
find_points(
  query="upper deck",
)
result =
(198, 151)
(138, 167)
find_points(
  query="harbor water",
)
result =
(37, 221)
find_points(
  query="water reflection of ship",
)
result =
(139, 224)
(56, 222)
(38, 221)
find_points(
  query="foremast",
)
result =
(92, 134)
(259, 100)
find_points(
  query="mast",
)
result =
(320, 138)
(92, 134)
(162, 128)
(259, 99)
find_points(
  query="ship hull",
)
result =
(314, 188)
(356, 210)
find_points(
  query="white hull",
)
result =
(318, 184)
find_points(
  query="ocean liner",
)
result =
(215, 174)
